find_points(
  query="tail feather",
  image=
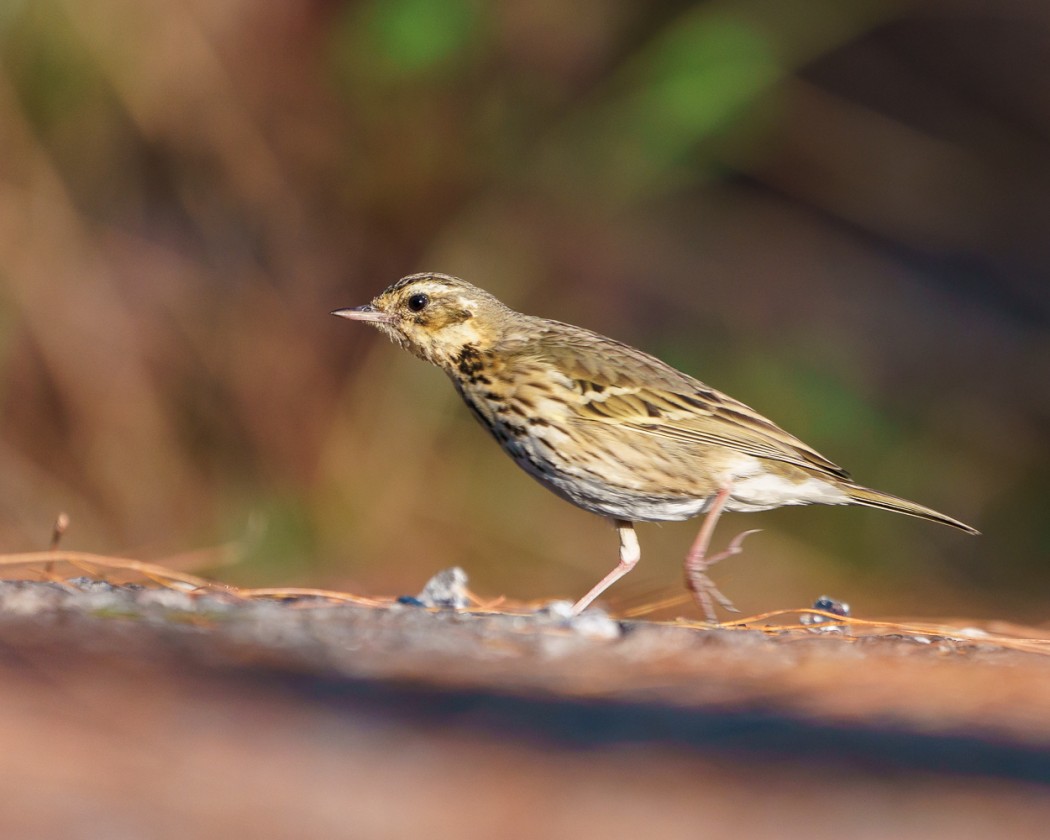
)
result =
(877, 499)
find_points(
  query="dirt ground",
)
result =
(150, 712)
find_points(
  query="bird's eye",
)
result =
(417, 303)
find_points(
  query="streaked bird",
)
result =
(610, 428)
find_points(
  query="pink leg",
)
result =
(630, 553)
(697, 561)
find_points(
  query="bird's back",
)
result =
(619, 432)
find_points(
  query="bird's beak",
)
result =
(365, 313)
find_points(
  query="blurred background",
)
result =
(838, 213)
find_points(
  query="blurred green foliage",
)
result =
(835, 212)
(698, 79)
(417, 36)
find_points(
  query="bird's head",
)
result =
(434, 316)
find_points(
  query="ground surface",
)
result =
(131, 712)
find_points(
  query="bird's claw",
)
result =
(700, 584)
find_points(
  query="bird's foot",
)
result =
(705, 593)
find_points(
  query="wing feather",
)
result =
(615, 383)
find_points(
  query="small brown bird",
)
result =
(610, 428)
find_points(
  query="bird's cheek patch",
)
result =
(444, 317)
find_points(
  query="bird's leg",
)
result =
(630, 552)
(697, 561)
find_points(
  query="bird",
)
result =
(612, 429)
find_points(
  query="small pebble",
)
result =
(821, 623)
(558, 610)
(410, 601)
(596, 624)
(447, 589)
(86, 584)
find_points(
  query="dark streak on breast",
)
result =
(477, 412)
(516, 432)
(470, 365)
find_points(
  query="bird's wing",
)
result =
(615, 383)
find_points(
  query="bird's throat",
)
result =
(470, 366)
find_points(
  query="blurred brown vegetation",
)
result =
(837, 212)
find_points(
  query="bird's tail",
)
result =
(877, 499)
